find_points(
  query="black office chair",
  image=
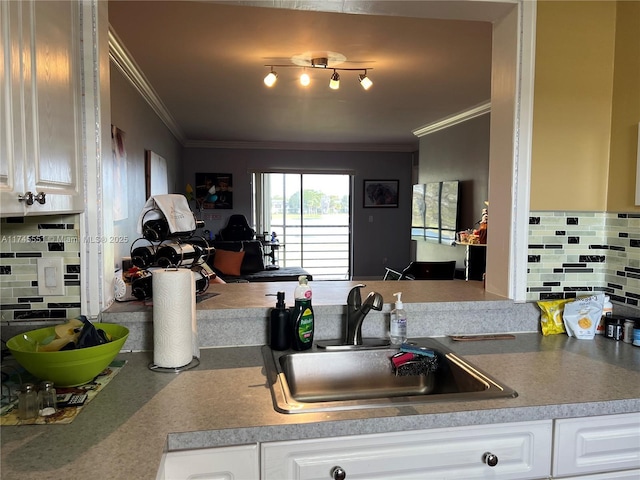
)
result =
(237, 229)
(425, 271)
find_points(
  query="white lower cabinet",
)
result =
(522, 451)
(597, 445)
(592, 448)
(224, 463)
(624, 475)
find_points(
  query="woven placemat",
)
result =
(64, 415)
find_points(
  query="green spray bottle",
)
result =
(302, 316)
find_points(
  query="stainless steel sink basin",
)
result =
(321, 380)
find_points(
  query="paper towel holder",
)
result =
(192, 364)
(195, 359)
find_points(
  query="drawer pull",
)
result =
(27, 198)
(338, 473)
(490, 459)
(40, 198)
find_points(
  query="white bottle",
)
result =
(398, 322)
(607, 311)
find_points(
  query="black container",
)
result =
(614, 327)
(280, 325)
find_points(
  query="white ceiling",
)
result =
(205, 61)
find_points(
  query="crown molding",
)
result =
(454, 119)
(123, 60)
(325, 147)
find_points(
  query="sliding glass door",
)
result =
(309, 213)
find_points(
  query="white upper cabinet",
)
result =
(40, 105)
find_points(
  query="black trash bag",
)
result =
(68, 346)
(90, 336)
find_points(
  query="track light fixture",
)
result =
(365, 81)
(334, 83)
(271, 78)
(319, 63)
(305, 80)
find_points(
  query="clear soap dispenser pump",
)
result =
(398, 322)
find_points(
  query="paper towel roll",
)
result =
(175, 340)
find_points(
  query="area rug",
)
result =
(66, 413)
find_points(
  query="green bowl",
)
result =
(67, 368)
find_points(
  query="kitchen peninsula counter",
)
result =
(124, 431)
(237, 314)
(225, 401)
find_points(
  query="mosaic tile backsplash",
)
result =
(570, 254)
(22, 242)
(577, 253)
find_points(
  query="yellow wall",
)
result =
(626, 109)
(572, 105)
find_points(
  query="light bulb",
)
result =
(305, 79)
(365, 81)
(334, 83)
(270, 79)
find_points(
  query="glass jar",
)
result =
(627, 336)
(28, 402)
(47, 402)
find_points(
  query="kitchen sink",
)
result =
(357, 378)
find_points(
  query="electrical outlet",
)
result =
(50, 276)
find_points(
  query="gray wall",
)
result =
(460, 152)
(143, 131)
(380, 235)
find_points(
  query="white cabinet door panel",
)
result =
(55, 85)
(11, 158)
(624, 475)
(523, 451)
(224, 463)
(596, 444)
(40, 127)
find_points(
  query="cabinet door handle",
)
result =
(338, 473)
(27, 198)
(490, 459)
(40, 198)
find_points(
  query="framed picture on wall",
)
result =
(155, 174)
(214, 190)
(120, 202)
(380, 193)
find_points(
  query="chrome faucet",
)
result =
(356, 311)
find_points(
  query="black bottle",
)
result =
(143, 257)
(280, 325)
(178, 254)
(202, 278)
(141, 287)
(157, 230)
